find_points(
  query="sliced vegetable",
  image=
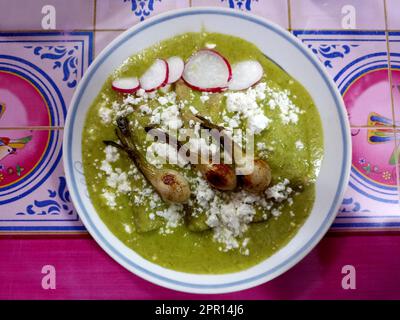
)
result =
(126, 85)
(207, 70)
(156, 76)
(245, 74)
(175, 69)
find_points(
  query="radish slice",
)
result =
(126, 85)
(175, 67)
(208, 71)
(245, 74)
(155, 77)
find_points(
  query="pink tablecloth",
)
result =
(84, 271)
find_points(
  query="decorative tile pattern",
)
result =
(274, 10)
(122, 14)
(44, 69)
(372, 198)
(33, 194)
(46, 15)
(338, 14)
(358, 63)
(38, 75)
(394, 43)
(393, 14)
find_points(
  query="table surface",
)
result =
(44, 53)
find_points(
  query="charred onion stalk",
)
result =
(169, 184)
(218, 175)
(260, 177)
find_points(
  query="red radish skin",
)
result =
(225, 60)
(211, 90)
(126, 85)
(196, 75)
(148, 83)
(246, 74)
(175, 69)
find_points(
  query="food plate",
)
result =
(281, 47)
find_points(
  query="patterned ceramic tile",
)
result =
(393, 14)
(103, 38)
(338, 14)
(122, 14)
(46, 15)
(394, 42)
(274, 10)
(44, 69)
(372, 198)
(358, 63)
(33, 194)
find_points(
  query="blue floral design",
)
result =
(328, 52)
(64, 58)
(349, 205)
(59, 200)
(142, 8)
(240, 4)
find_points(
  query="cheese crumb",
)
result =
(112, 154)
(110, 199)
(245, 104)
(280, 191)
(172, 215)
(299, 145)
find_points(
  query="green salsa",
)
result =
(183, 249)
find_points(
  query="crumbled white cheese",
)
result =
(118, 180)
(163, 100)
(204, 97)
(127, 228)
(110, 198)
(280, 191)
(145, 109)
(245, 104)
(167, 117)
(289, 112)
(228, 215)
(299, 145)
(159, 153)
(193, 110)
(172, 215)
(105, 115)
(112, 154)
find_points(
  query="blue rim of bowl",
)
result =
(293, 259)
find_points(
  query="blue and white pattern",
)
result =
(329, 52)
(142, 8)
(350, 205)
(240, 4)
(347, 57)
(65, 59)
(57, 201)
(57, 112)
(54, 62)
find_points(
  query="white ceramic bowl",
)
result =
(289, 53)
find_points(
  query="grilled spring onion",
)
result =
(260, 177)
(169, 184)
(220, 176)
